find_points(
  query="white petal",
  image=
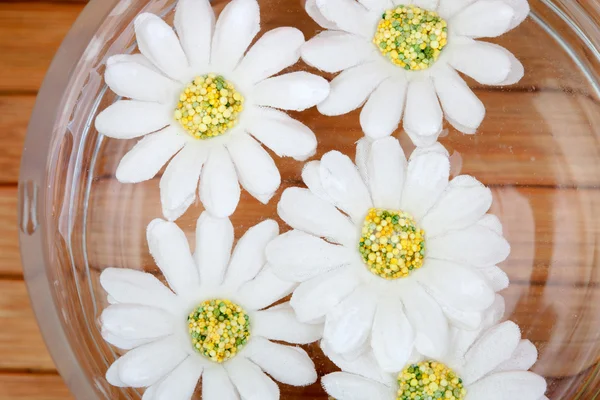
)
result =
(303, 210)
(238, 23)
(475, 245)
(364, 365)
(521, 10)
(264, 290)
(488, 64)
(491, 222)
(392, 338)
(335, 51)
(294, 91)
(426, 4)
(181, 383)
(344, 386)
(428, 321)
(124, 344)
(489, 18)
(496, 278)
(349, 16)
(280, 323)
(160, 45)
(313, 11)
(214, 240)
(523, 358)
(276, 50)
(469, 320)
(423, 115)
(219, 187)
(249, 255)
(464, 202)
(250, 381)
(315, 297)
(112, 375)
(171, 252)
(148, 156)
(344, 185)
(457, 286)
(195, 22)
(448, 8)
(129, 321)
(361, 159)
(255, 168)
(147, 364)
(426, 178)
(350, 89)
(386, 172)
(311, 175)
(128, 119)
(520, 385)
(216, 384)
(179, 183)
(135, 287)
(298, 256)
(493, 348)
(463, 110)
(376, 5)
(150, 391)
(517, 71)
(382, 113)
(286, 364)
(348, 325)
(128, 78)
(284, 135)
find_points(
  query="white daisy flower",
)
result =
(214, 323)
(389, 253)
(402, 56)
(200, 101)
(489, 364)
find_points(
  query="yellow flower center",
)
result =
(209, 106)
(219, 329)
(391, 244)
(429, 380)
(411, 37)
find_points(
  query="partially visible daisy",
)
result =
(491, 364)
(200, 101)
(389, 254)
(212, 322)
(401, 57)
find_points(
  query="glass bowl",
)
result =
(538, 149)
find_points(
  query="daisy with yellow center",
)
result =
(402, 64)
(214, 321)
(390, 247)
(205, 104)
(489, 362)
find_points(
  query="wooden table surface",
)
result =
(30, 34)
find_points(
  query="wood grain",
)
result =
(20, 386)
(10, 259)
(21, 344)
(14, 116)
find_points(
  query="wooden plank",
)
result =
(10, 258)
(30, 34)
(21, 344)
(19, 386)
(14, 117)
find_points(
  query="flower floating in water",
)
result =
(489, 363)
(214, 323)
(390, 252)
(200, 101)
(402, 57)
